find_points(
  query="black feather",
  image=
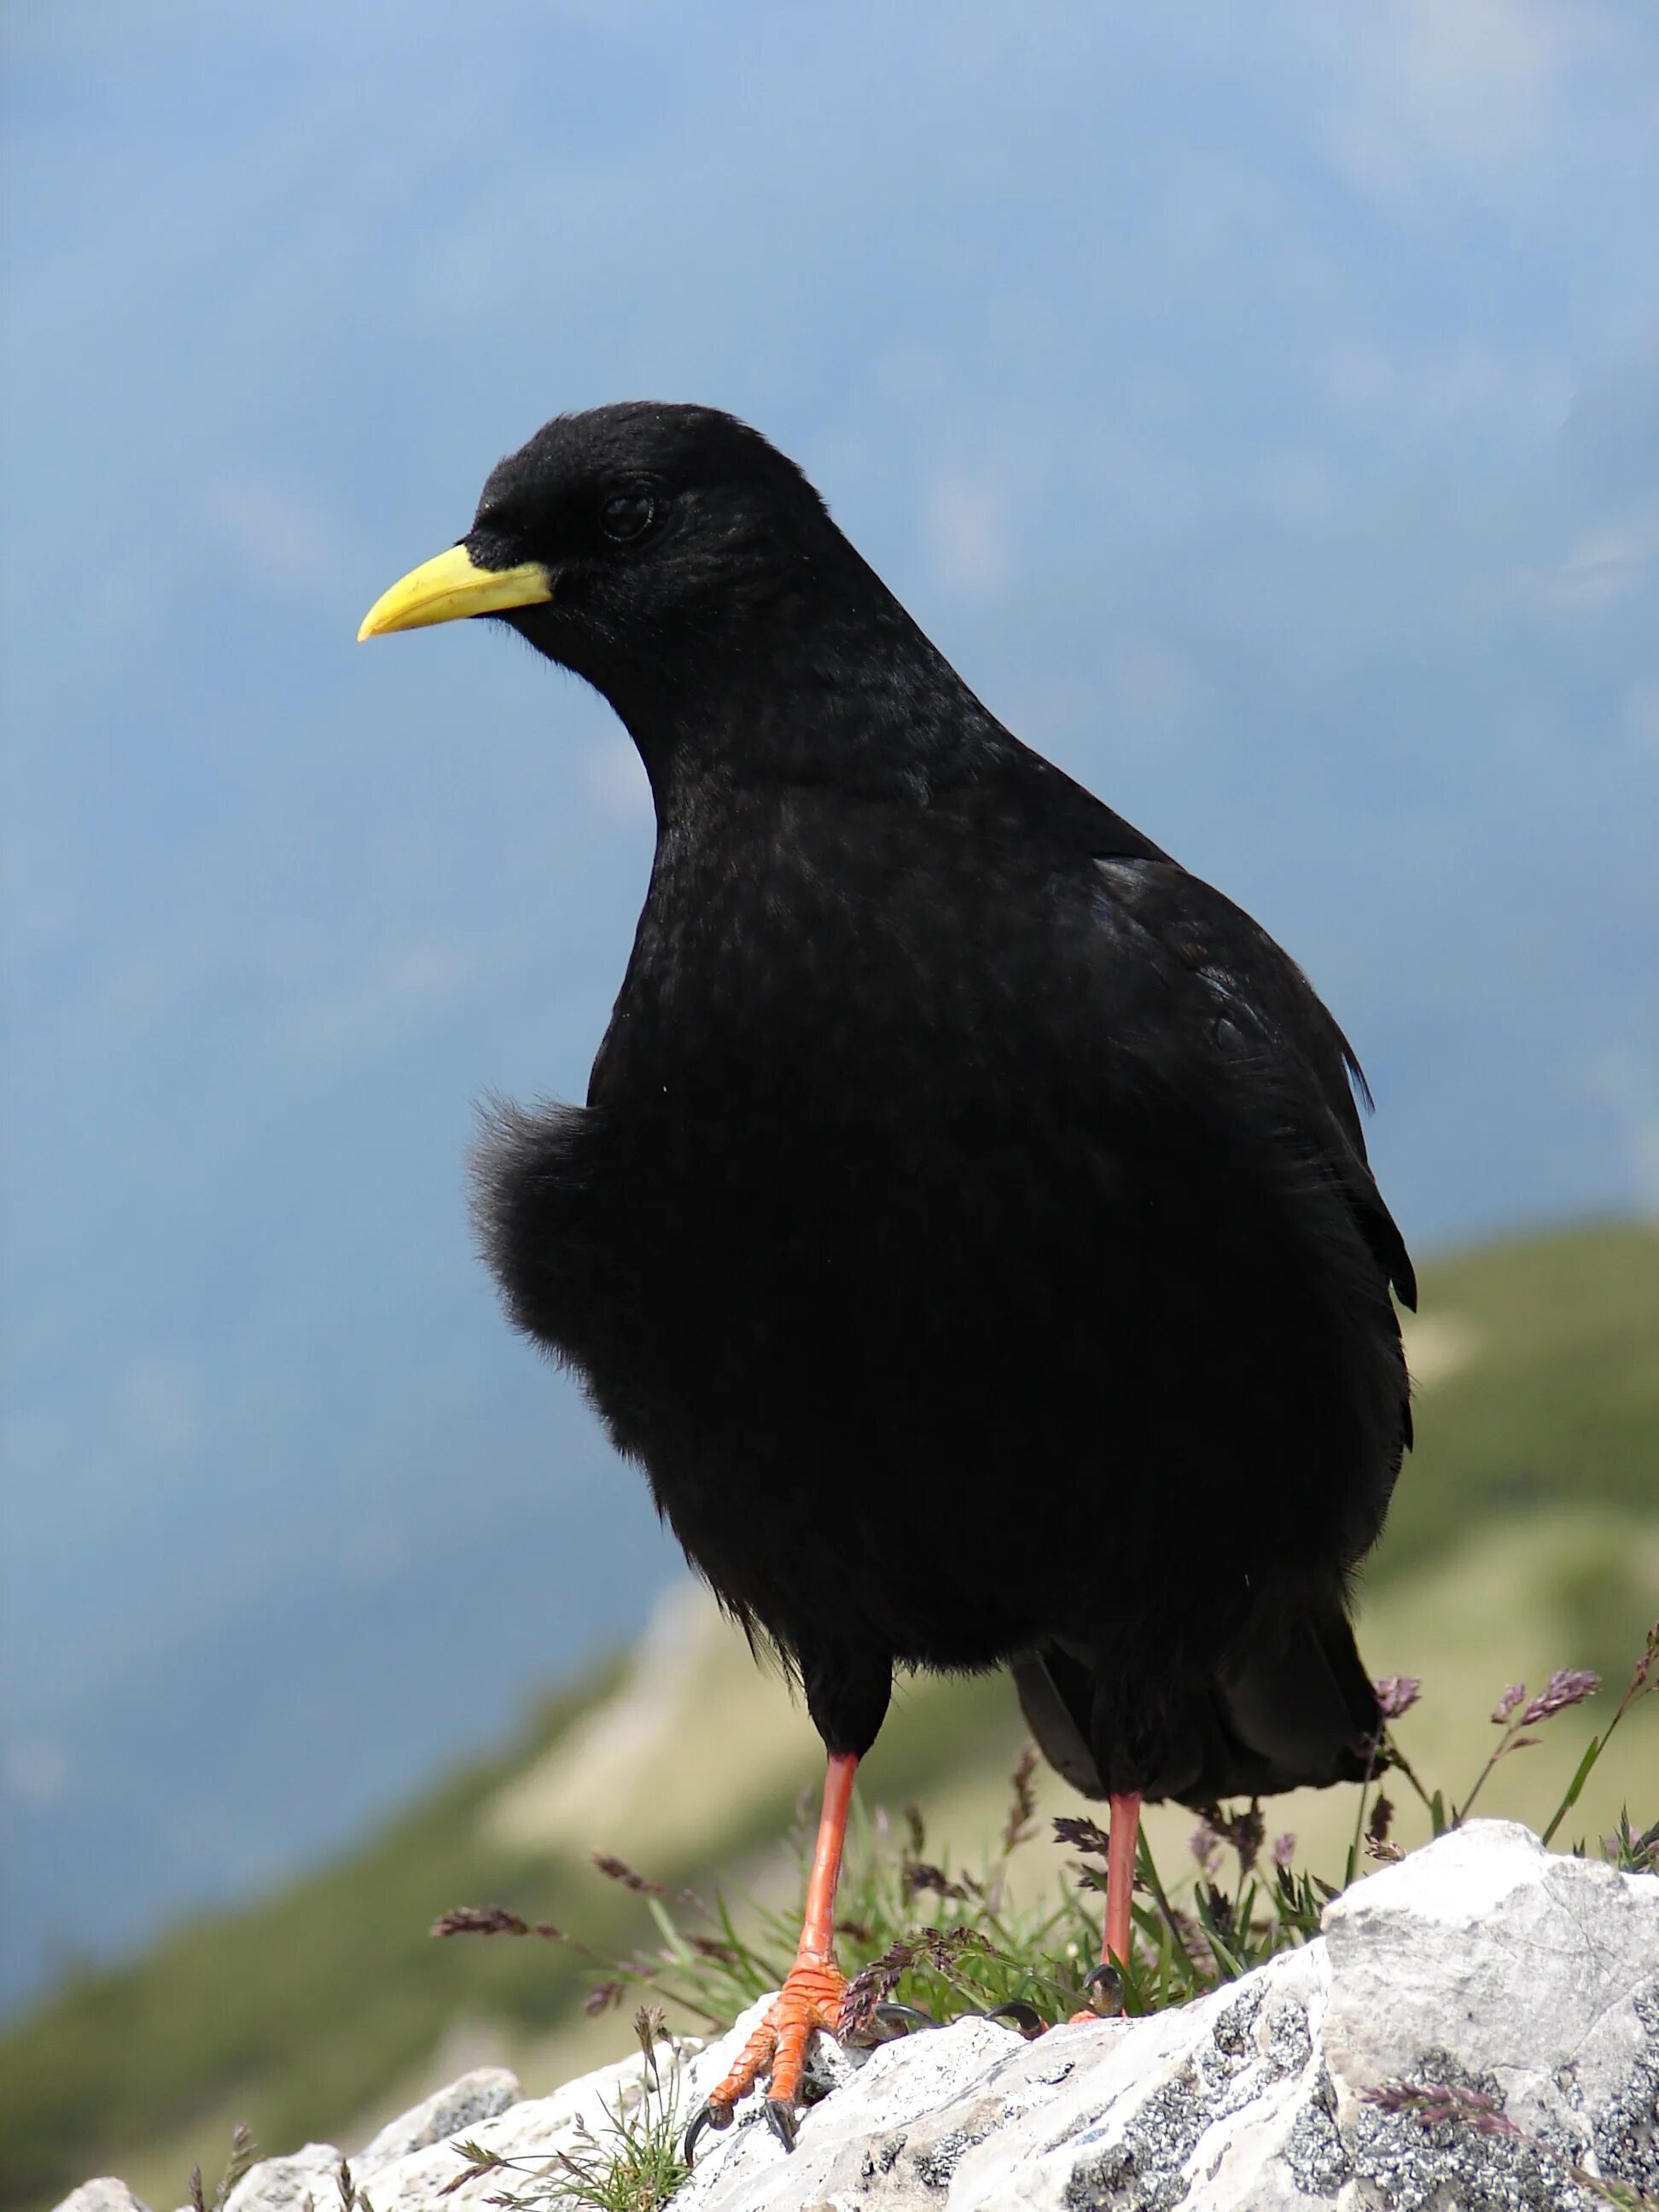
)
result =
(969, 1229)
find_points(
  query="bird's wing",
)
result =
(1267, 1015)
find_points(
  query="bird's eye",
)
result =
(627, 515)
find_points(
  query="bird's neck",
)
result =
(857, 697)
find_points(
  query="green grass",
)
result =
(303, 2013)
(948, 1940)
(1557, 1399)
(635, 2165)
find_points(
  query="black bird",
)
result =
(969, 1228)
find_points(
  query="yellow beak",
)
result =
(451, 586)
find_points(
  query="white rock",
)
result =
(480, 2095)
(529, 2134)
(1482, 1962)
(104, 2195)
(306, 2182)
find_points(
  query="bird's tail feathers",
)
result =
(1293, 1711)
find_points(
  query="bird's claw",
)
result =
(810, 2001)
(1103, 1987)
(707, 2115)
(782, 2119)
(1019, 2014)
(781, 2116)
(904, 2017)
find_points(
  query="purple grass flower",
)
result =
(1397, 1694)
(1205, 1847)
(1568, 1686)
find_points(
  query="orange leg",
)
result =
(811, 1994)
(1120, 1879)
(1118, 1932)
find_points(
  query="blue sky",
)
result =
(1261, 406)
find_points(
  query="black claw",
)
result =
(780, 2118)
(902, 2018)
(1103, 1987)
(706, 2116)
(1026, 2018)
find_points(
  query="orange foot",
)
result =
(810, 1999)
(1104, 1986)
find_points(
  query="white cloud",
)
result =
(1625, 1079)
(136, 986)
(614, 778)
(1431, 95)
(1641, 715)
(1152, 689)
(1605, 566)
(391, 991)
(1426, 385)
(35, 1773)
(163, 1412)
(912, 375)
(278, 529)
(1644, 1155)
(1144, 480)
(1295, 487)
(967, 534)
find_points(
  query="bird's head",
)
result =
(644, 546)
